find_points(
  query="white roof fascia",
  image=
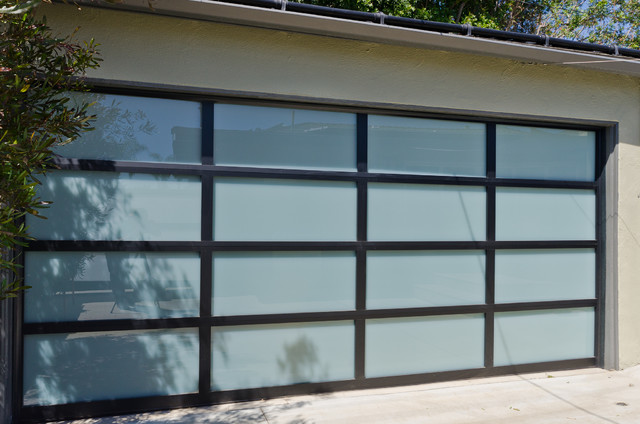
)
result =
(379, 33)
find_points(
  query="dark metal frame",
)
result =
(207, 171)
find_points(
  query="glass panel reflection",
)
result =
(118, 206)
(284, 138)
(426, 146)
(79, 367)
(540, 336)
(138, 128)
(70, 286)
(409, 212)
(289, 210)
(279, 354)
(545, 274)
(545, 214)
(400, 346)
(283, 282)
(545, 153)
(412, 279)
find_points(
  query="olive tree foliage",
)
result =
(510, 15)
(37, 70)
(597, 21)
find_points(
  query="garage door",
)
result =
(201, 251)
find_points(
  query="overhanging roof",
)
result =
(308, 19)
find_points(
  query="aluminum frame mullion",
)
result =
(202, 323)
(232, 246)
(207, 148)
(298, 317)
(361, 252)
(166, 168)
(490, 252)
(601, 216)
(206, 259)
(17, 377)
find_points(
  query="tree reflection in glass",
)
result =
(280, 354)
(138, 128)
(111, 285)
(77, 367)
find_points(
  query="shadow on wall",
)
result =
(108, 206)
(300, 362)
(63, 368)
(72, 286)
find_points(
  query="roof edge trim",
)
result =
(386, 29)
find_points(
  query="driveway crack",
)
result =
(264, 415)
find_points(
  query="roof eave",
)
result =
(376, 32)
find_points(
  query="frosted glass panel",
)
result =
(401, 346)
(79, 367)
(284, 138)
(426, 146)
(545, 153)
(545, 274)
(426, 212)
(138, 128)
(545, 214)
(271, 209)
(540, 336)
(118, 206)
(283, 282)
(81, 286)
(408, 279)
(275, 355)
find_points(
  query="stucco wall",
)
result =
(153, 49)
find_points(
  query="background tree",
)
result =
(37, 70)
(595, 21)
(510, 15)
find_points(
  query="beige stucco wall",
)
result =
(153, 49)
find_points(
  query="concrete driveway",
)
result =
(580, 396)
